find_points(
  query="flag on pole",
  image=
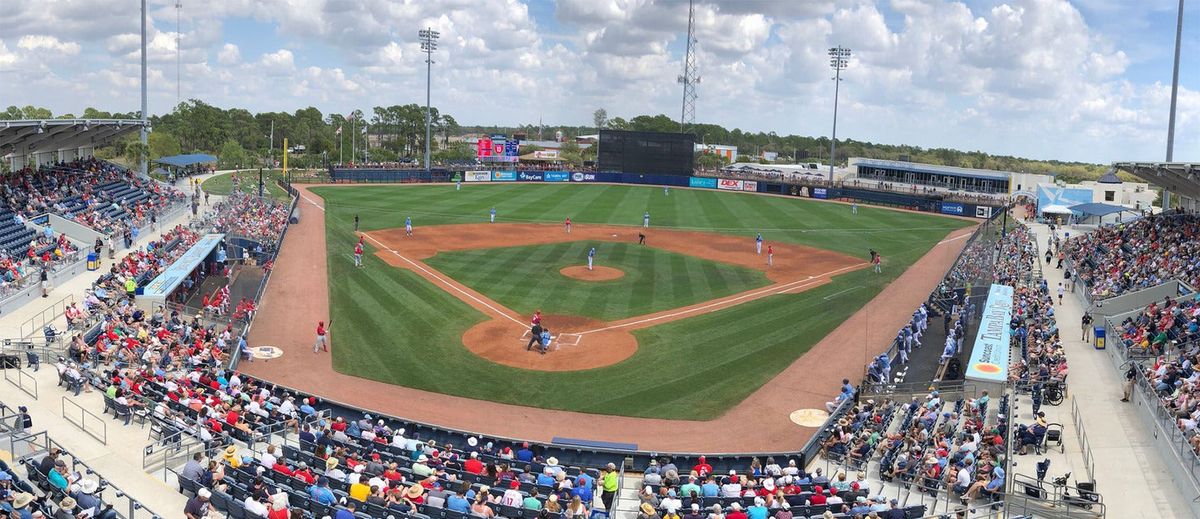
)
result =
(339, 131)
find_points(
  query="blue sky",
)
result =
(1057, 79)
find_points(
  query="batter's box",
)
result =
(569, 339)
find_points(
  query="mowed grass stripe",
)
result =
(695, 368)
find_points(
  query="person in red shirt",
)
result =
(358, 251)
(537, 318)
(567, 225)
(735, 512)
(473, 465)
(282, 468)
(322, 341)
(702, 468)
(304, 474)
(818, 496)
(770, 255)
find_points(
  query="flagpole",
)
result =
(353, 135)
(339, 134)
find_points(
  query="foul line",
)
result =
(956, 238)
(771, 290)
(429, 273)
(835, 294)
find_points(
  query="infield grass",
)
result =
(653, 278)
(396, 327)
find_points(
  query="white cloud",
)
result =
(278, 63)
(229, 55)
(51, 43)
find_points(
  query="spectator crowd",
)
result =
(1115, 260)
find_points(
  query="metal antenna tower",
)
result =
(691, 75)
(178, 53)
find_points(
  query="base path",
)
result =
(761, 423)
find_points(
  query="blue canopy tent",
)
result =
(1099, 210)
(180, 161)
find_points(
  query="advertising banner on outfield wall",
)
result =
(749, 185)
(556, 176)
(983, 211)
(478, 176)
(989, 356)
(583, 177)
(819, 192)
(952, 208)
(733, 185)
(707, 183)
(530, 176)
(504, 176)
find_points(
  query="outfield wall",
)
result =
(913, 201)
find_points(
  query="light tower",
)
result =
(428, 39)
(690, 76)
(1174, 94)
(839, 57)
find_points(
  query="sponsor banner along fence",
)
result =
(529, 176)
(989, 356)
(504, 176)
(820, 192)
(749, 185)
(732, 185)
(556, 176)
(583, 177)
(708, 183)
(952, 208)
(478, 176)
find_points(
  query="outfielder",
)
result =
(493, 215)
(853, 207)
(591, 257)
(646, 219)
(458, 185)
(358, 249)
(758, 244)
(408, 226)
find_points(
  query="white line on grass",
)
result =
(835, 294)
(431, 273)
(771, 290)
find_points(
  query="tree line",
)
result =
(397, 132)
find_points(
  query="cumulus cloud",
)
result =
(229, 55)
(35, 42)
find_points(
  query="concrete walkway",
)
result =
(1130, 473)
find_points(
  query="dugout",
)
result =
(184, 274)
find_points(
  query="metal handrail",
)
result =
(1089, 462)
(23, 381)
(101, 435)
(28, 328)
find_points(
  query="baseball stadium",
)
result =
(218, 313)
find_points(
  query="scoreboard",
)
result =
(497, 148)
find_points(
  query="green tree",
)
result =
(600, 118)
(163, 144)
(232, 155)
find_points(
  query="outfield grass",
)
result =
(396, 327)
(247, 182)
(651, 282)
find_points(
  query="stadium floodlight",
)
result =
(839, 57)
(429, 38)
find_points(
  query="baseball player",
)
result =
(493, 215)
(875, 261)
(458, 185)
(322, 342)
(641, 238)
(567, 225)
(853, 207)
(358, 254)
(666, 190)
(591, 257)
(355, 223)
(408, 226)
(770, 255)
(546, 338)
(646, 219)
(758, 244)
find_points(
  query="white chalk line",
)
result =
(835, 294)
(956, 238)
(431, 274)
(771, 290)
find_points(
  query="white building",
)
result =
(729, 152)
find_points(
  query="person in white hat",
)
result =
(198, 506)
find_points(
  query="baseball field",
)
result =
(694, 323)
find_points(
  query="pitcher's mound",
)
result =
(582, 273)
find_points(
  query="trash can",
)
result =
(1099, 334)
(92, 261)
